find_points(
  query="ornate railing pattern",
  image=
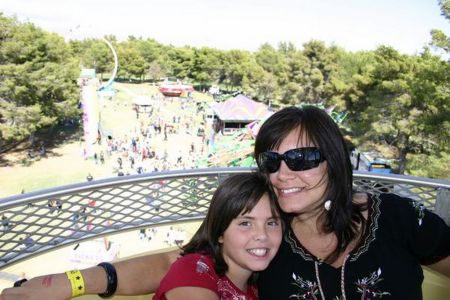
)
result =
(41, 221)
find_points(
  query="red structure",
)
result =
(175, 90)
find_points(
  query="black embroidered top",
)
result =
(401, 235)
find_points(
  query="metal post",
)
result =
(442, 206)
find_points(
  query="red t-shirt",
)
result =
(197, 270)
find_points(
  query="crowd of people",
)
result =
(165, 139)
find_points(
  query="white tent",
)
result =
(142, 100)
(142, 103)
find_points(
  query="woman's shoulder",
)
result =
(386, 200)
(387, 205)
(394, 202)
(399, 209)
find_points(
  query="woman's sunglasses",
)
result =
(299, 159)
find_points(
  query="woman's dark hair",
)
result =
(236, 195)
(316, 126)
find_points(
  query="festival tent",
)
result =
(240, 109)
(142, 103)
(255, 125)
(237, 112)
(142, 100)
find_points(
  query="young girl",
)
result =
(239, 236)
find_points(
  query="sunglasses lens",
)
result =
(311, 158)
(295, 159)
(314, 158)
(270, 161)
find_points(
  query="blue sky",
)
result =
(241, 24)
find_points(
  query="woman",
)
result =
(338, 244)
(240, 235)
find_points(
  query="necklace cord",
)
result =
(322, 295)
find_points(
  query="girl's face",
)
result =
(298, 192)
(251, 241)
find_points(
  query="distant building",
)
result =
(143, 103)
(237, 112)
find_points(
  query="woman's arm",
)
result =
(442, 266)
(136, 276)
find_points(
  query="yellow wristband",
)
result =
(76, 282)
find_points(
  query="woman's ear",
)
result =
(220, 239)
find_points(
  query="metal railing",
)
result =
(41, 221)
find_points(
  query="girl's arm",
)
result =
(142, 275)
(136, 276)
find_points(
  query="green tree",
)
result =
(131, 62)
(271, 60)
(235, 68)
(439, 38)
(206, 65)
(95, 54)
(180, 61)
(37, 79)
(156, 71)
(431, 166)
(317, 76)
(409, 103)
(355, 72)
(150, 49)
(265, 87)
(291, 81)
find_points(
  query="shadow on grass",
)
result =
(25, 154)
(4, 162)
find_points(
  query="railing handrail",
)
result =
(423, 181)
(111, 181)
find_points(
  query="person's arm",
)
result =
(136, 276)
(425, 234)
(141, 275)
(51, 287)
(184, 293)
(442, 266)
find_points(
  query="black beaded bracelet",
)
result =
(111, 279)
(19, 282)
